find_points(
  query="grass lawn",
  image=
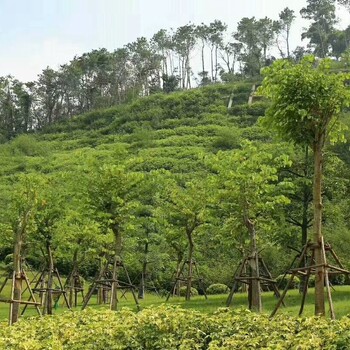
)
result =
(340, 294)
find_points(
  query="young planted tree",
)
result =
(49, 210)
(111, 195)
(23, 208)
(307, 101)
(186, 210)
(249, 194)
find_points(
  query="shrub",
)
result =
(283, 280)
(217, 288)
(337, 280)
(171, 328)
(183, 291)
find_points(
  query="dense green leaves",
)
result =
(306, 99)
(167, 328)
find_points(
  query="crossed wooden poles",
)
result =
(112, 282)
(306, 270)
(181, 276)
(244, 275)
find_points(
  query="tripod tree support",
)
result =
(312, 268)
(113, 282)
(307, 100)
(187, 277)
(244, 274)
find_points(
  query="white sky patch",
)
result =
(39, 33)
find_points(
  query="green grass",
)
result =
(340, 297)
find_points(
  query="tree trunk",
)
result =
(317, 201)
(203, 65)
(212, 63)
(17, 283)
(255, 292)
(142, 287)
(287, 41)
(190, 265)
(117, 261)
(71, 281)
(188, 72)
(216, 63)
(49, 280)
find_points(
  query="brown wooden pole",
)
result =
(49, 280)
(306, 282)
(329, 294)
(238, 272)
(300, 260)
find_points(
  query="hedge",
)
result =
(167, 328)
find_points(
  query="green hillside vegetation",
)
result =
(165, 137)
(165, 179)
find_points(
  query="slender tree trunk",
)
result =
(287, 41)
(216, 63)
(117, 260)
(212, 63)
(188, 72)
(203, 65)
(49, 279)
(317, 202)
(255, 292)
(17, 292)
(72, 277)
(142, 287)
(190, 265)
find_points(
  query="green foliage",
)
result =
(306, 99)
(169, 328)
(183, 291)
(282, 281)
(217, 288)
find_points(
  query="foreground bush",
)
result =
(167, 328)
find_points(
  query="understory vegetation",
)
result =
(167, 328)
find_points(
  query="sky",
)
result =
(35, 34)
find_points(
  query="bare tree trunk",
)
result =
(17, 267)
(216, 63)
(190, 265)
(212, 63)
(203, 65)
(255, 292)
(317, 201)
(142, 287)
(117, 260)
(188, 73)
(49, 280)
(287, 41)
(71, 281)
(17, 283)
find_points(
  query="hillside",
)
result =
(175, 133)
